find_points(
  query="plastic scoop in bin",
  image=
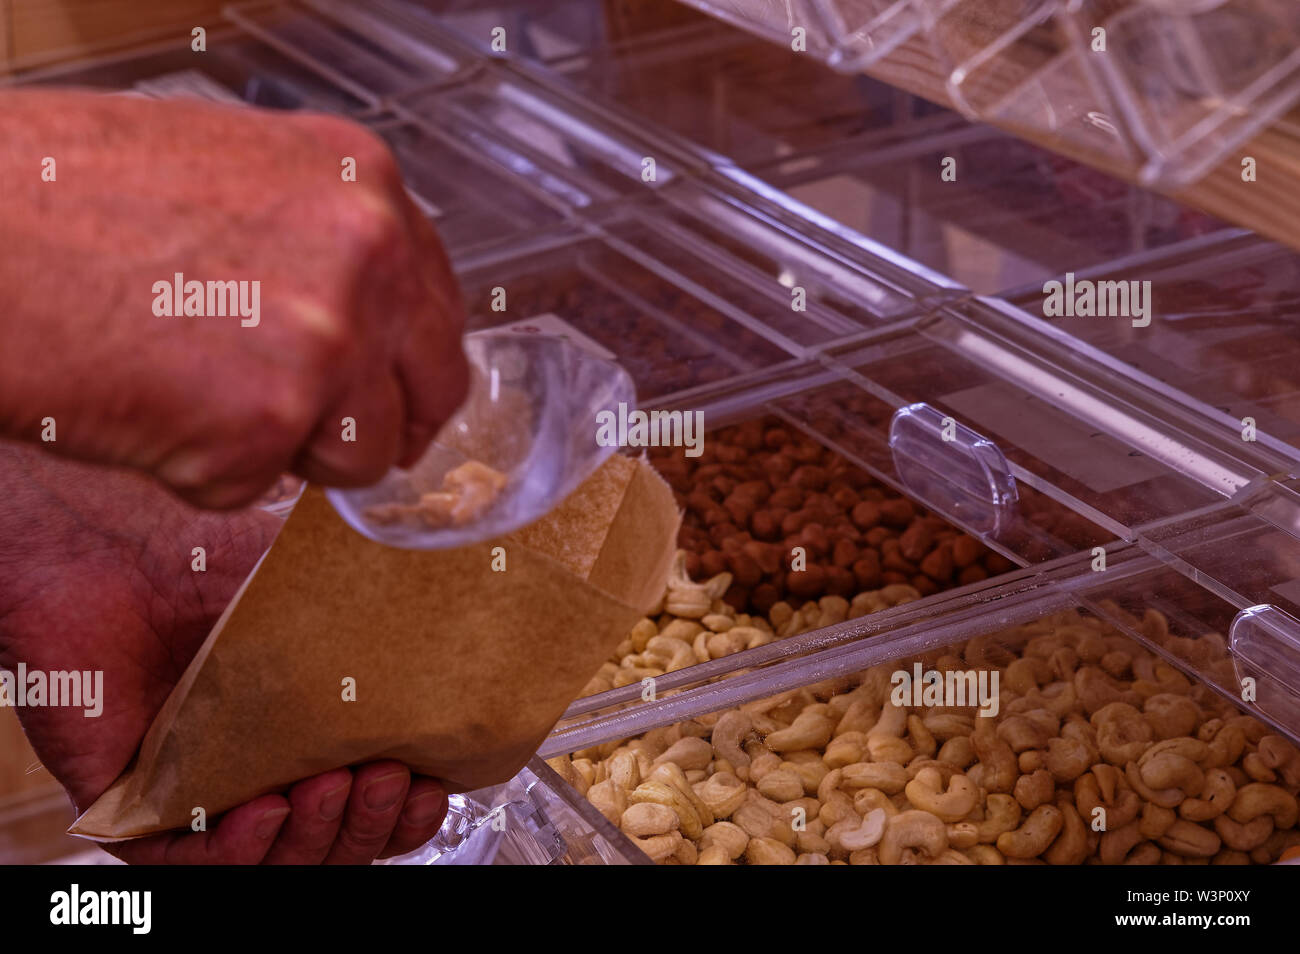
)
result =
(524, 440)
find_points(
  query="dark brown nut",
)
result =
(795, 522)
(844, 496)
(809, 477)
(815, 540)
(938, 565)
(891, 559)
(778, 468)
(897, 513)
(965, 550)
(766, 555)
(790, 498)
(916, 541)
(972, 574)
(766, 524)
(712, 563)
(806, 583)
(764, 597)
(996, 563)
(876, 536)
(840, 582)
(807, 452)
(745, 570)
(844, 554)
(866, 515)
(924, 585)
(867, 570)
(720, 533)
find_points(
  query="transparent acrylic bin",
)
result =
(1196, 80)
(1195, 637)
(554, 144)
(373, 51)
(1011, 214)
(474, 203)
(237, 68)
(1222, 339)
(555, 30)
(664, 288)
(742, 100)
(533, 819)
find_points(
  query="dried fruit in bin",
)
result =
(1091, 731)
(761, 488)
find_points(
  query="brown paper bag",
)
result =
(460, 670)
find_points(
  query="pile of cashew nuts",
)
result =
(1100, 753)
(693, 624)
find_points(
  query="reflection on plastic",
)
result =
(531, 415)
(952, 468)
(1265, 644)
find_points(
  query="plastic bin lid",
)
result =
(991, 211)
(1222, 339)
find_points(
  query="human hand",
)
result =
(358, 313)
(94, 574)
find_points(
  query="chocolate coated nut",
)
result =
(866, 515)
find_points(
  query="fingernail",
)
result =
(332, 805)
(423, 808)
(384, 792)
(269, 824)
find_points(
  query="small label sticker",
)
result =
(551, 324)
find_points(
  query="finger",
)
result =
(229, 494)
(316, 814)
(431, 365)
(422, 815)
(375, 409)
(434, 377)
(378, 792)
(242, 837)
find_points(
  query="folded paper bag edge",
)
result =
(642, 496)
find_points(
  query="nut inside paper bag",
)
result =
(340, 650)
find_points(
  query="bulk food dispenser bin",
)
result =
(965, 469)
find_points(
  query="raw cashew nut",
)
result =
(1073, 843)
(1001, 814)
(782, 785)
(731, 838)
(889, 777)
(926, 793)
(1032, 838)
(1117, 844)
(1171, 770)
(912, 830)
(689, 753)
(713, 855)
(1000, 766)
(1067, 759)
(854, 835)
(1259, 798)
(692, 826)
(810, 730)
(845, 749)
(723, 793)
(1245, 837)
(1216, 795)
(1190, 840)
(648, 818)
(660, 847)
(728, 733)
(766, 851)
(609, 799)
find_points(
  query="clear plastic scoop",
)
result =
(523, 441)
